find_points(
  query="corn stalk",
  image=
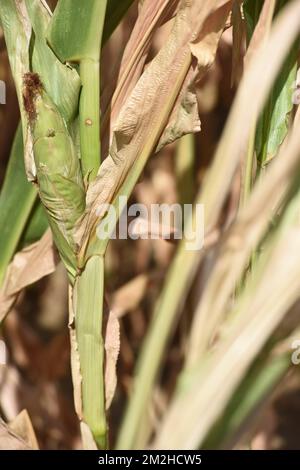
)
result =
(52, 162)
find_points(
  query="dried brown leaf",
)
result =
(128, 297)
(28, 266)
(151, 16)
(75, 361)
(87, 437)
(145, 114)
(244, 110)
(9, 439)
(23, 428)
(112, 349)
(238, 243)
(184, 118)
(238, 36)
(266, 299)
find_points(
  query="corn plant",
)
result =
(232, 352)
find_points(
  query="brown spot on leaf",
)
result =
(50, 133)
(32, 88)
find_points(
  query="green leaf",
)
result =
(258, 383)
(36, 225)
(16, 25)
(76, 29)
(252, 9)
(16, 201)
(61, 82)
(75, 34)
(274, 123)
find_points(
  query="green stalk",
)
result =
(75, 34)
(89, 116)
(88, 308)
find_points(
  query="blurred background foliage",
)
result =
(37, 377)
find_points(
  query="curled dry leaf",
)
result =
(28, 266)
(151, 16)
(145, 114)
(184, 118)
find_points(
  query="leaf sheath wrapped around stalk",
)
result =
(58, 169)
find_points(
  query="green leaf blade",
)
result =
(76, 29)
(16, 201)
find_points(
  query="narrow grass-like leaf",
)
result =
(75, 30)
(258, 311)
(163, 319)
(235, 250)
(16, 202)
(185, 160)
(259, 35)
(273, 124)
(252, 92)
(259, 382)
(17, 33)
(36, 226)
